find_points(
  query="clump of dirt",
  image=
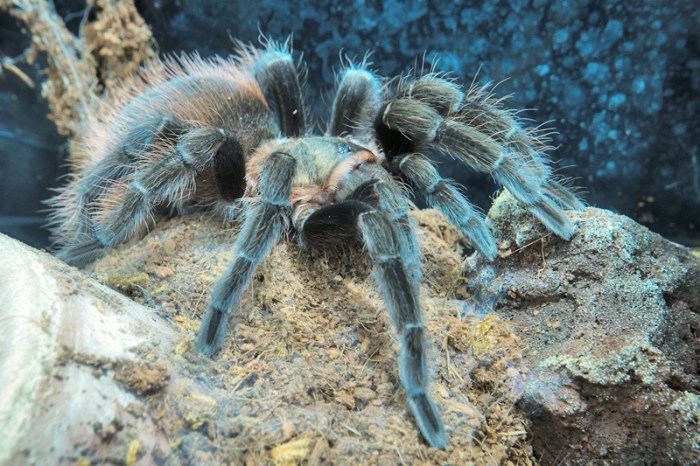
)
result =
(142, 379)
(308, 371)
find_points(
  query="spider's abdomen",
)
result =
(199, 93)
(234, 104)
(177, 134)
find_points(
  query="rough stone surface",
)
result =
(611, 321)
(308, 373)
(75, 361)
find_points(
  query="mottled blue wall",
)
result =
(31, 151)
(620, 81)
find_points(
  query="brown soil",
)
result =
(309, 372)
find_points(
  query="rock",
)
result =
(75, 362)
(308, 372)
(597, 336)
(612, 326)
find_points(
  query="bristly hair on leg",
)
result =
(401, 295)
(262, 229)
(282, 81)
(358, 98)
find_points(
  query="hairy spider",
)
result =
(232, 135)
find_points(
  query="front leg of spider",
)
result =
(262, 229)
(398, 284)
(401, 296)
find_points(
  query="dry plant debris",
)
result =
(119, 40)
(81, 69)
(71, 83)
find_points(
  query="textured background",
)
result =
(620, 81)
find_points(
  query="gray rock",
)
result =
(75, 363)
(612, 326)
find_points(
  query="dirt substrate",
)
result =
(555, 353)
(308, 373)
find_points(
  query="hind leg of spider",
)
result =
(168, 180)
(262, 229)
(82, 253)
(124, 160)
(400, 293)
(113, 168)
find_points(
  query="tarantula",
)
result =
(232, 135)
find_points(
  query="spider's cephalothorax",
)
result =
(232, 135)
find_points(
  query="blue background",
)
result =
(620, 82)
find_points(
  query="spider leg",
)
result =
(124, 160)
(563, 196)
(443, 195)
(82, 253)
(277, 76)
(262, 229)
(434, 114)
(110, 170)
(401, 295)
(356, 104)
(481, 111)
(170, 178)
(400, 292)
(386, 195)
